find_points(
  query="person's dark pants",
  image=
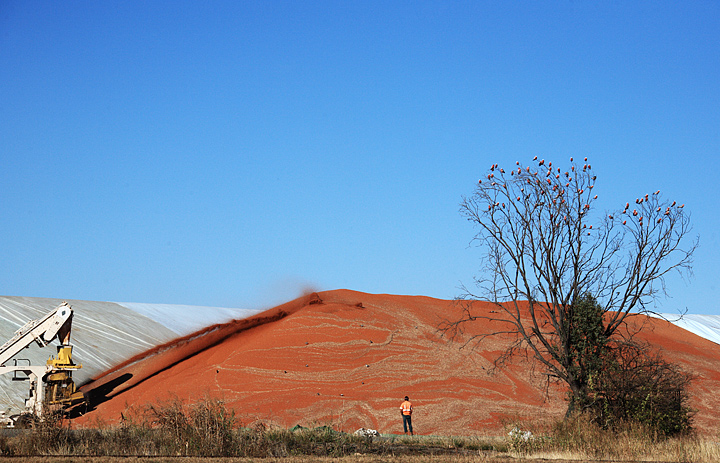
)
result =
(407, 423)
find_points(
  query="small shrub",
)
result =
(638, 385)
(201, 429)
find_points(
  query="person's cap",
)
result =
(406, 398)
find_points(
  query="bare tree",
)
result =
(546, 247)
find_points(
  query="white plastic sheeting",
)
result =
(104, 334)
(186, 319)
(706, 326)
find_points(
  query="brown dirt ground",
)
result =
(346, 359)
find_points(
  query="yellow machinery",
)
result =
(60, 390)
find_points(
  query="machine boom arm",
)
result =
(55, 324)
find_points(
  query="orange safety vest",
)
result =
(406, 408)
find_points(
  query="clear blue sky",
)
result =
(234, 153)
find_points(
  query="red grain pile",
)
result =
(346, 359)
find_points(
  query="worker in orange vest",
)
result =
(406, 412)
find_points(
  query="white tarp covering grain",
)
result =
(186, 319)
(706, 326)
(104, 334)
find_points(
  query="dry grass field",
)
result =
(183, 438)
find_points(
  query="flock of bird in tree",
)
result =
(556, 187)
